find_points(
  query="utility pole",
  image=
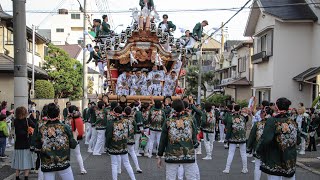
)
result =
(199, 55)
(33, 51)
(85, 68)
(20, 54)
(222, 39)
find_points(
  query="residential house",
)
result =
(76, 52)
(286, 50)
(236, 80)
(210, 51)
(7, 56)
(66, 27)
(224, 70)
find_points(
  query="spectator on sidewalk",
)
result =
(3, 107)
(22, 157)
(4, 133)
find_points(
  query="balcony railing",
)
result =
(259, 57)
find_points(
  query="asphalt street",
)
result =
(99, 167)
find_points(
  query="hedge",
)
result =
(43, 89)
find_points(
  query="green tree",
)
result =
(219, 99)
(43, 89)
(242, 103)
(65, 73)
(192, 79)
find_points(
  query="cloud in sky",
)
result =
(183, 20)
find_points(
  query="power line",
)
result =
(224, 24)
(182, 10)
(53, 11)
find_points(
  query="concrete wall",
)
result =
(243, 93)
(6, 88)
(71, 27)
(41, 102)
(292, 56)
(231, 92)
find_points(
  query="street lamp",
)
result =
(117, 27)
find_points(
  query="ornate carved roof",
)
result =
(144, 45)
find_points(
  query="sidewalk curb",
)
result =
(308, 168)
(11, 177)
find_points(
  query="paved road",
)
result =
(99, 168)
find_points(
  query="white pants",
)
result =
(101, 67)
(101, 138)
(257, 171)
(198, 150)
(154, 136)
(303, 145)
(221, 131)
(272, 177)
(243, 154)
(93, 139)
(208, 142)
(64, 174)
(189, 168)
(137, 143)
(40, 173)
(190, 44)
(126, 163)
(180, 172)
(77, 153)
(88, 133)
(133, 155)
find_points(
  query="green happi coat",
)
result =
(117, 134)
(208, 122)
(236, 129)
(54, 141)
(101, 119)
(277, 147)
(156, 119)
(255, 136)
(105, 30)
(178, 140)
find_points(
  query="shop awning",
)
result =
(308, 74)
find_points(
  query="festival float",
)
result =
(141, 45)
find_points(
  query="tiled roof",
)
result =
(7, 64)
(72, 49)
(295, 11)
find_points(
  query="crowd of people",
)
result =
(173, 130)
(155, 83)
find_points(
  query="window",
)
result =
(59, 30)
(265, 43)
(242, 64)
(75, 16)
(80, 41)
(9, 39)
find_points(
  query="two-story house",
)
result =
(235, 71)
(286, 50)
(237, 77)
(7, 56)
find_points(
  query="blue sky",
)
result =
(185, 20)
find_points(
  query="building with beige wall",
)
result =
(286, 51)
(235, 71)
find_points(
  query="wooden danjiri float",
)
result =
(142, 45)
